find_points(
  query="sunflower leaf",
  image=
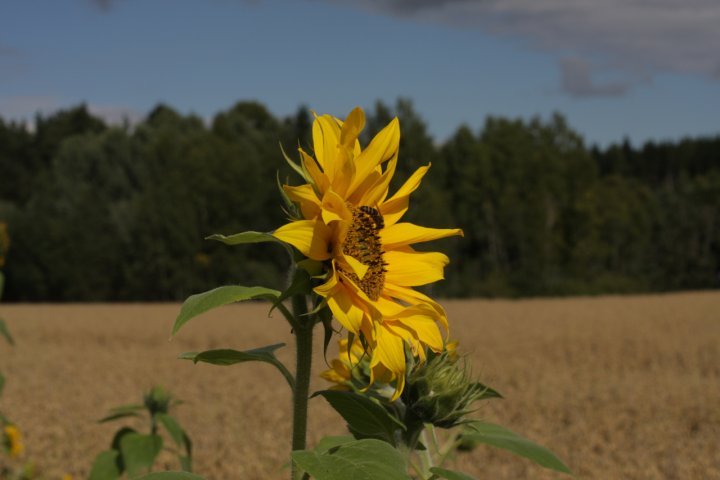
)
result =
(448, 474)
(105, 466)
(139, 452)
(5, 332)
(360, 459)
(202, 302)
(243, 237)
(226, 357)
(501, 437)
(365, 417)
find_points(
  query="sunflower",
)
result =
(13, 440)
(350, 222)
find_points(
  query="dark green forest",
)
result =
(101, 213)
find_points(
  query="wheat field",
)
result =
(618, 387)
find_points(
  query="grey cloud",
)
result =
(577, 80)
(103, 5)
(640, 37)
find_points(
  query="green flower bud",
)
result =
(440, 391)
(157, 400)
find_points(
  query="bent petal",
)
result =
(394, 208)
(401, 234)
(311, 237)
(413, 297)
(344, 308)
(326, 137)
(382, 148)
(390, 352)
(422, 321)
(307, 198)
(334, 208)
(410, 269)
(313, 168)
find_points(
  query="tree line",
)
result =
(107, 213)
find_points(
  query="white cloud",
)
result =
(632, 38)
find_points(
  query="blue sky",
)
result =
(615, 68)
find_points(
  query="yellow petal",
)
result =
(394, 208)
(422, 320)
(413, 297)
(307, 198)
(311, 237)
(360, 269)
(383, 147)
(410, 269)
(389, 350)
(334, 208)
(351, 128)
(408, 233)
(326, 137)
(313, 168)
(378, 186)
(344, 308)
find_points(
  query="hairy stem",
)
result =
(304, 342)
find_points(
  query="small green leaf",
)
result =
(300, 284)
(202, 302)
(365, 417)
(105, 466)
(231, 357)
(487, 392)
(139, 452)
(172, 427)
(123, 411)
(448, 474)
(367, 459)
(5, 332)
(244, 237)
(501, 437)
(170, 476)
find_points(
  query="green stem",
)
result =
(426, 456)
(304, 342)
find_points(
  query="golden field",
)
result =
(618, 387)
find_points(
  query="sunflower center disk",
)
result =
(363, 244)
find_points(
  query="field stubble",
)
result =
(619, 387)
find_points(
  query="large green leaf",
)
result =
(244, 237)
(170, 476)
(448, 474)
(5, 332)
(501, 437)
(202, 302)
(231, 357)
(139, 452)
(105, 466)
(365, 417)
(328, 443)
(367, 459)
